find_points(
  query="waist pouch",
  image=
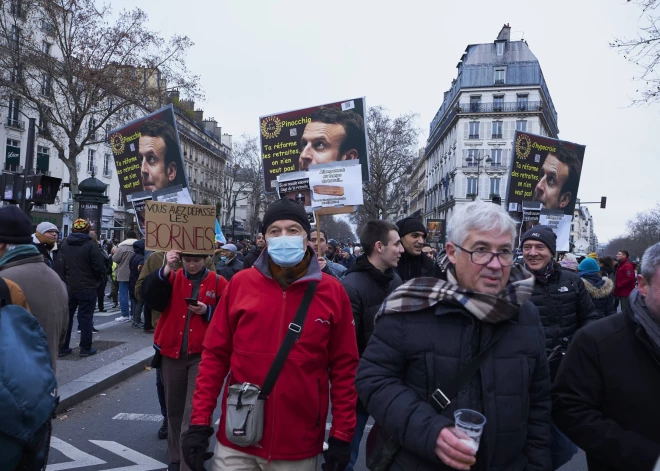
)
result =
(244, 416)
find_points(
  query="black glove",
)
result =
(194, 443)
(337, 455)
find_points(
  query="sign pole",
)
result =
(318, 234)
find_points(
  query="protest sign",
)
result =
(435, 229)
(295, 186)
(147, 154)
(336, 184)
(561, 226)
(297, 140)
(545, 170)
(184, 227)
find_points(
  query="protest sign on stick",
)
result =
(187, 228)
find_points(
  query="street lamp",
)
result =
(471, 159)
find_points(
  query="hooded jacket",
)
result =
(367, 287)
(413, 352)
(415, 266)
(625, 278)
(244, 336)
(601, 291)
(123, 259)
(80, 263)
(605, 397)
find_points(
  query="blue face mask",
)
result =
(286, 251)
(224, 259)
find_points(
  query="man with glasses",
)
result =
(564, 306)
(429, 329)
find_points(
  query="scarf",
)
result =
(643, 316)
(423, 293)
(21, 251)
(285, 276)
(543, 275)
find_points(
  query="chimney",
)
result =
(174, 95)
(226, 140)
(199, 116)
(211, 125)
(505, 33)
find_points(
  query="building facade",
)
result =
(499, 89)
(583, 236)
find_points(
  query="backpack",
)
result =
(28, 389)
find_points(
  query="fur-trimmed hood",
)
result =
(598, 293)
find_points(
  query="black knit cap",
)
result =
(410, 224)
(543, 234)
(15, 226)
(286, 209)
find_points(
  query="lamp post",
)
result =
(478, 159)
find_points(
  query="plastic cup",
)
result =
(470, 423)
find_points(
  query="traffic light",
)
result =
(603, 201)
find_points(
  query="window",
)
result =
(500, 48)
(13, 155)
(15, 36)
(106, 164)
(522, 102)
(43, 158)
(90, 160)
(496, 158)
(15, 75)
(92, 123)
(498, 102)
(16, 8)
(521, 125)
(14, 108)
(500, 76)
(472, 186)
(495, 186)
(475, 103)
(472, 157)
(47, 85)
(497, 130)
(45, 47)
(474, 130)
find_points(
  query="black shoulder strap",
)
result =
(5, 294)
(295, 328)
(440, 399)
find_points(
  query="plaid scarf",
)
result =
(543, 275)
(422, 293)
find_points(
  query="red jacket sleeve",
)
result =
(215, 363)
(343, 356)
(625, 279)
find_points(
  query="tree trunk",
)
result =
(70, 163)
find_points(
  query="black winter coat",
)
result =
(410, 354)
(80, 263)
(251, 257)
(601, 290)
(367, 287)
(564, 305)
(411, 266)
(135, 265)
(229, 269)
(605, 397)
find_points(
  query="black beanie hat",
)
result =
(543, 234)
(286, 209)
(410, 224)
(15, 226)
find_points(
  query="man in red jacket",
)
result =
(251, 322)
(625, 278)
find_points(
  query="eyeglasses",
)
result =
(478, 257)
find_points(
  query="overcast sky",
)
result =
(259, 57)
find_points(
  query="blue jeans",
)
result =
(85, 303)
(561, 448)
(123, 299)
(362, 418)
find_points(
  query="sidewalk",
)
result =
(122, 352)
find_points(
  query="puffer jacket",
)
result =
(564, 305)
(367, 287)
(243, 339)
(600, 288)
(80, 263)
(411, 354)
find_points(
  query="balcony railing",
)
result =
(512, 106)
(473, 136)
(496, 136)
(16, 123)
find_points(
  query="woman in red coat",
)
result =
(192, 293)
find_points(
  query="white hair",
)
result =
(479, 216)
(651, 262)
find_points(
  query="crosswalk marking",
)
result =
(80, 458)
(139, 462)
(142, 417)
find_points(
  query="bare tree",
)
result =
(83, 72)
(643, 231)
(244, 182)
(335, 228)
(392, 147)
(644, 51)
